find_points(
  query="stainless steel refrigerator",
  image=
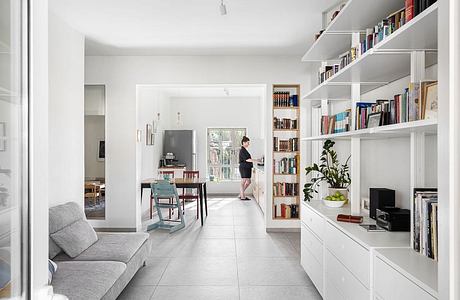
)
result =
(183, 144)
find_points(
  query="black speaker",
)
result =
(380, 198)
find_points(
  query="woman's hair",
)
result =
(244, 140)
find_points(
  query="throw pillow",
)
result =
(75, 238)
(52, 268)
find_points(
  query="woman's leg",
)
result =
(247, 183)
(243, 183)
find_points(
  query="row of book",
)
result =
(284, 123)
(288, 211)
(337, 123)
(375, 35)
(285, 99)
(417, 102)
(290, 145)
(286, 165)
(282, 189)
(425, 226)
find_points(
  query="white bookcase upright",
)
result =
(392, 269)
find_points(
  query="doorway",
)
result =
(95, 183)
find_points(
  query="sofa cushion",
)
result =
(61, 216)
(111, 246)
(53, 249)
(86, 280)
(75, 238)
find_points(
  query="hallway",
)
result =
(231, 257)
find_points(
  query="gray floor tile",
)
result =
(151, 273)
(256, 232)
(201, 271)
(279, 292)
(217, 232)
(208, 248)
(137, 293)
(219, 221)
(265, 248)
(271, 271)
(196, 293)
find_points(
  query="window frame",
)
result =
(237, 145)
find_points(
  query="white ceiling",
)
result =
(208, 91)
(194, 27)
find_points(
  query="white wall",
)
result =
(66, 111)
(121, 74)
(200, 113)
(94, 131)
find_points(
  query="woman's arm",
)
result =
(252, 160)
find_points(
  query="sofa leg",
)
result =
(144, 264)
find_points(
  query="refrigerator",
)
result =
(183, 144)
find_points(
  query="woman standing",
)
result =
(246, 163)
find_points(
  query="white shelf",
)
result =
(409, 37)
(387, 131)
(418, 268)
(337, 91)
(328, 46)
(367, 239)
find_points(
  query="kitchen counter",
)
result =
(259, 168)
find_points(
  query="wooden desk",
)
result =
(188, 183)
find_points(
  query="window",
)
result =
(223, 149)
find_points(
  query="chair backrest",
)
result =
(165, 174)
(163, 188)
(191, 174)
(91, 187)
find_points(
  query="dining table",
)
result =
(187, 183)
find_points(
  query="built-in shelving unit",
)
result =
(291, 111)
(407, 52)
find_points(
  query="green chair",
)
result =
(163, 189)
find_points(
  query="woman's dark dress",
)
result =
(245, 167)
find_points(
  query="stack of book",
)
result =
(336, 123)
(324, 73)
(286, 165)
(290, 145)
(285, 99)
(289, 211)
(425, 225)
(284, 123)
(282, 189)
(415, 7)
(417, 102)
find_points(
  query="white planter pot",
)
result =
(334, 204)
(342, 191)
(333, 191)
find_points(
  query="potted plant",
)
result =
(330, 170)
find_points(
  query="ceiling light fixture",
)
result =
(223, 8)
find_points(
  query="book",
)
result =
(424, 214)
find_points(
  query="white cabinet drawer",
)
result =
(351, 254)
(340, 280)
(312, 243)
(392, 285)
(313, 221)
(312, 267)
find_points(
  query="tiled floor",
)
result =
(230, 257)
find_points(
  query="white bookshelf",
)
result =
(406, 52)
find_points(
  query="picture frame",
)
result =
(100, 150)
(374, 120)
(2, 136)
(431, 101)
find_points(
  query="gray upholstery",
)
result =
(63, 215)
(75, 238)
(112, 246)
(86, 280)
(53, 249)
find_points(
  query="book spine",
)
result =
(409, 12)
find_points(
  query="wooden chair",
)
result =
(162, 175)
(92, 191)
(192, 195)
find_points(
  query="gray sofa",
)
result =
(101, 271)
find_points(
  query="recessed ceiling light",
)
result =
(223, 8)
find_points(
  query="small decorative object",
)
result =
(330, 170)
(2, 136)
(374, 120)
(431, 92)
(149, 136)
(101, 150)
(365, 205)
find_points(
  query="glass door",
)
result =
(13, 151)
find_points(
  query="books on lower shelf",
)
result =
(286, 165)
(417, 102)
(290, 145)
(284, 123)
(425, 225)
(285, 189)
(286, 211)
(285, 99)
(337, 123)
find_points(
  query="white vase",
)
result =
(343, 191)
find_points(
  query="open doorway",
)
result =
(95, 201)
